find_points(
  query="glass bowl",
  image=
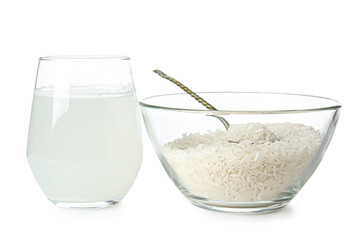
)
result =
(274, 144)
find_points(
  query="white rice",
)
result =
(249, 162)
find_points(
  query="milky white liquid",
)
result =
(84, 147)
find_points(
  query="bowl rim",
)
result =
(84, 57)
(334, 106)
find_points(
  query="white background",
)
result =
(310, 47)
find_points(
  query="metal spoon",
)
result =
(194, 95)
(203, 102)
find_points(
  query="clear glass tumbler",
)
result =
(84, 143)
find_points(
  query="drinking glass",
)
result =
(84, 142)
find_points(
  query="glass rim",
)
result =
(334, 106)
(85, 57)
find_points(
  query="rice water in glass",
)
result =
(84, 142)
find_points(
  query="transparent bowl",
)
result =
(274, 144)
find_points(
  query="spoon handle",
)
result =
(194, 95)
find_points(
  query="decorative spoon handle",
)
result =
(194, 95)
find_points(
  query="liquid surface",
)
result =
(84, 146)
